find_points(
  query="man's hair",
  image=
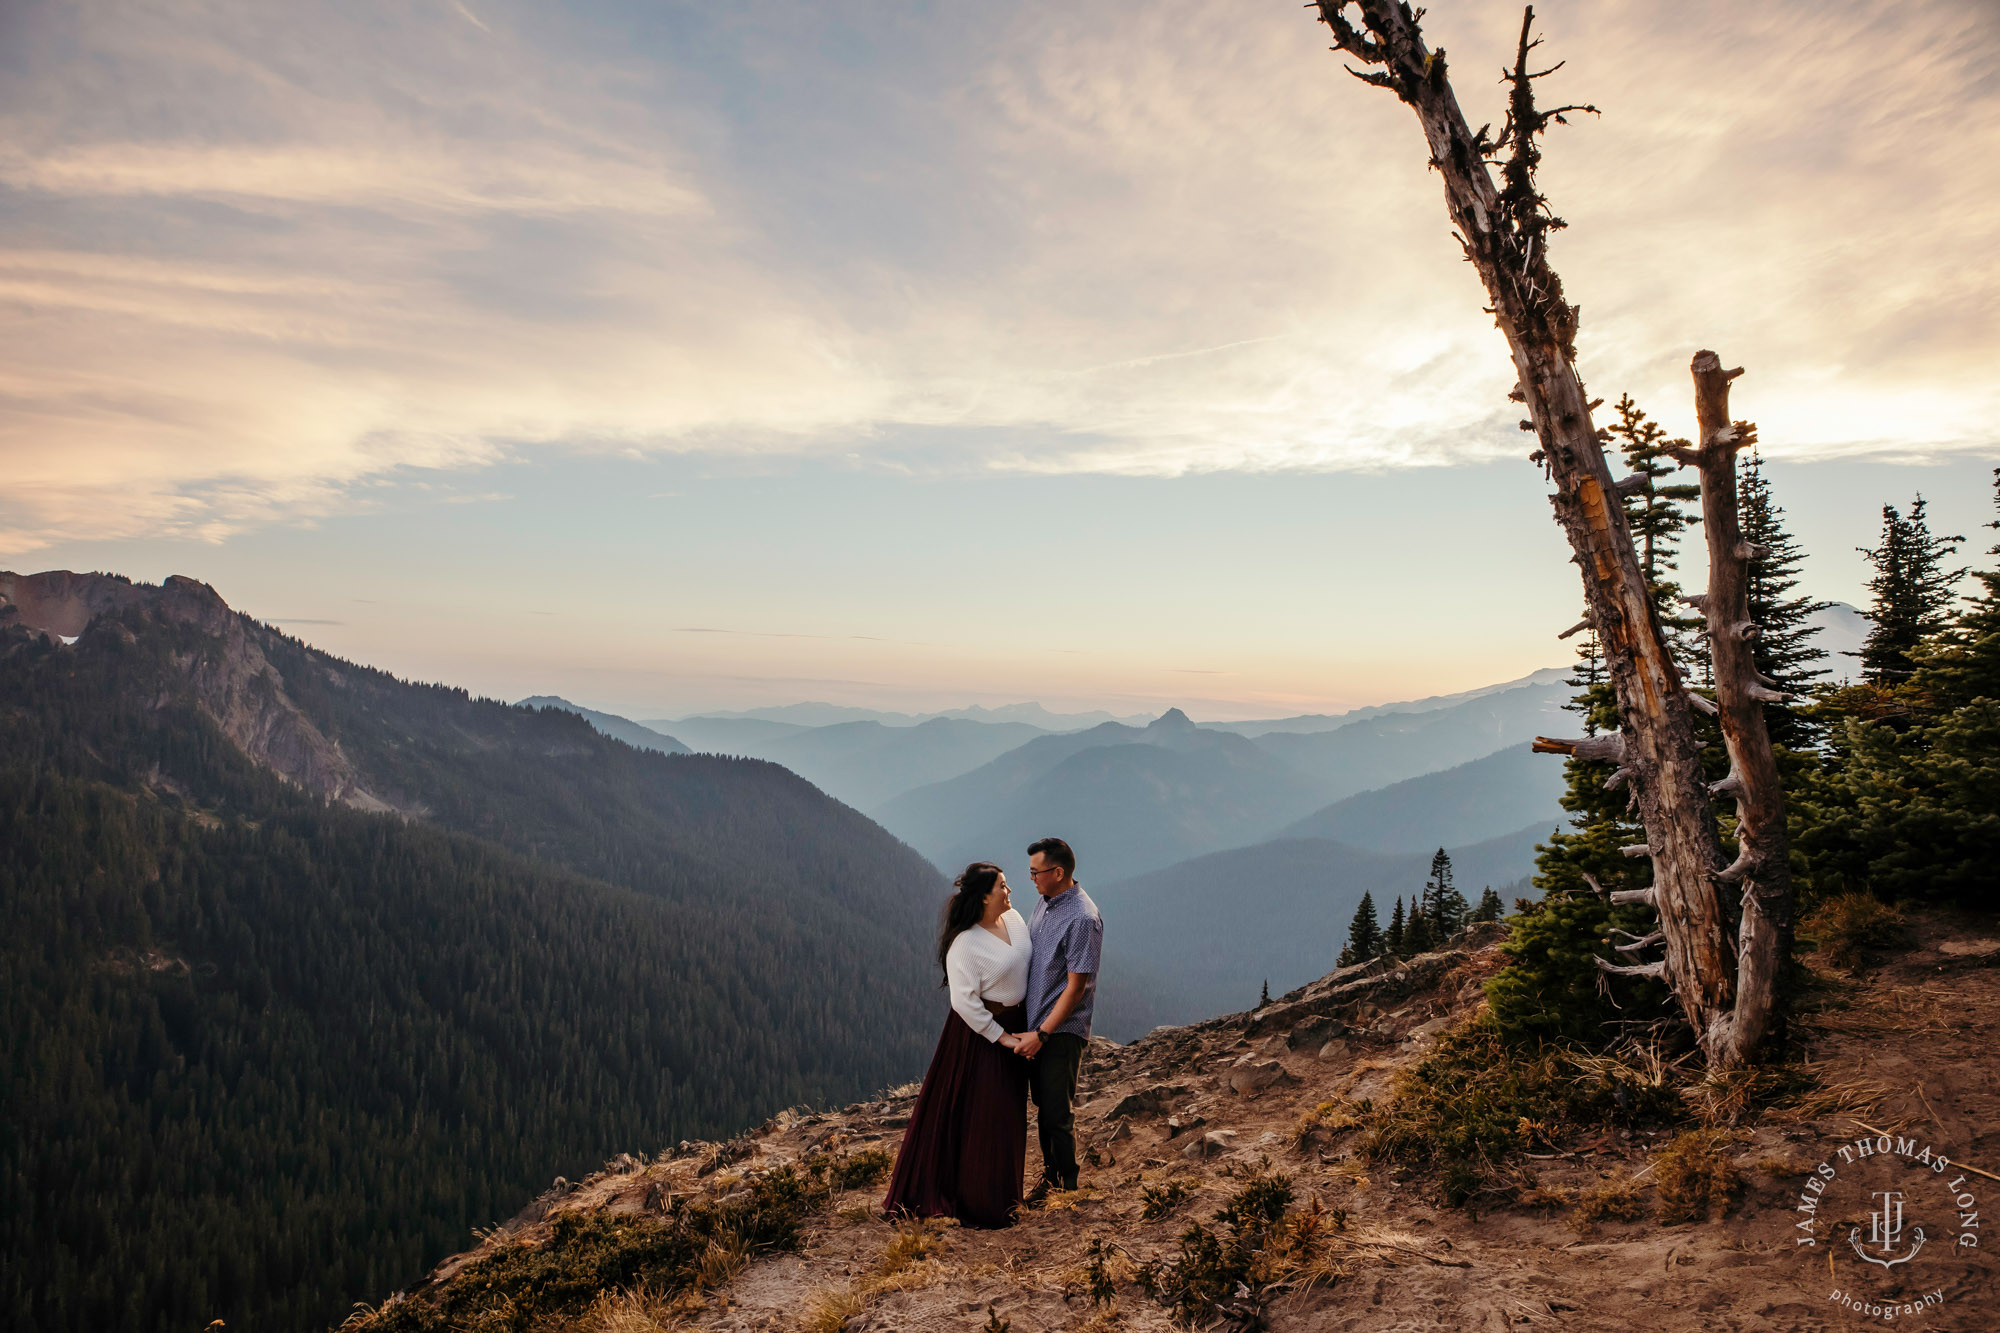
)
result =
(1057, 851)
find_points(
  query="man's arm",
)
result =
(1066, 1003)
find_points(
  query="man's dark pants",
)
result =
(1052, 1080)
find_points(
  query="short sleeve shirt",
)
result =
(1067, 936)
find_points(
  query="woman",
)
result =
(966, 1144)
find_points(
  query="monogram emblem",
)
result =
(1885, 1230)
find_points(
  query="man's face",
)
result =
(1048, 876)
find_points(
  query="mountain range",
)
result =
(864, 763)
(311, 969)
(1201, 937)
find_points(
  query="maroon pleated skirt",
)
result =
(967, 1142)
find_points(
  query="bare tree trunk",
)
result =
(1504, 231)
(1762, 868)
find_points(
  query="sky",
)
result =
(684, 356)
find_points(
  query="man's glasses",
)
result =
(1045, 870)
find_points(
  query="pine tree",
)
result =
(1964, 662)
(1659, 513)
(1490, 907)
(1784, 650)
(1392, 938)
(1419, 933)
(1364, 935)
(1909, 799)
(1445, 907)
(1264, 996)
(1911, 589)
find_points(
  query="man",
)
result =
(1065, 936)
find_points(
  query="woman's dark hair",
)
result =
(967, 904)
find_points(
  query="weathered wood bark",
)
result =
(1504, 231)
(1762, 869)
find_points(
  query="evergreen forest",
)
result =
(1892, 776)
(266, 1053)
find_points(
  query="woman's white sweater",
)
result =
(980, 966)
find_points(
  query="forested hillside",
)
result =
(269, 1047)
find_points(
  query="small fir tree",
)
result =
(1364, 934)
(1445, 907)
(1910, 590)
(1784, 649)
(1659, 513)
(1911, 805)
(1264, 996)
(1963, 663)
(1419, 935)
(1490, 907)
(1392, 938)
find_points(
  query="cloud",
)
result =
(250, 258)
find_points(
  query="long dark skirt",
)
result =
(967, 1141)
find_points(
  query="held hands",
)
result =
(1026, 1044)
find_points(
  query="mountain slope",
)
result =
(863, 763)
(1129, 799)
(1483, 799)
(1312, 722)
(634, 734)
(1201, 937)
(1390, 747)
(867, 763)
(252, 1021)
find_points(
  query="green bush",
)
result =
(527, 1285)
(1479, 1097)
(1551, 988)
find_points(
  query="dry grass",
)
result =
(1697, 1179)
(1834, 1096)
(915, 1240)
(720, 1262)
(909, 1261)
(1067, 1201)
(829, 1309)
(640, 1310)
(1846, 928)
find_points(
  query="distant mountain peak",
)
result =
(1171, 720)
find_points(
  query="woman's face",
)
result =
(998, 898)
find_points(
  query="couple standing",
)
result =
(1021, 994)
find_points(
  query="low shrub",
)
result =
(1610, 1201)
(1162, 1199)
(1259, 1240)
(1321, 1123)
(1477, 1098)
(701, 1242)
(1696, 1177)
(1846, 926)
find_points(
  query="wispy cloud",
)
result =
(249, 258)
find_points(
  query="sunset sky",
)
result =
(675, 356)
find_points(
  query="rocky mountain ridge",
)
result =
(1183, 1126)
(231, 679)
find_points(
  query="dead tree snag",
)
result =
(1504, 230)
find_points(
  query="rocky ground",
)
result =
(1905, 1047)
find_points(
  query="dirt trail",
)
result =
(1906, 1048)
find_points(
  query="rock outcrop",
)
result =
(225, 671)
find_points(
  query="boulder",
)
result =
(1212, 1144)
(1248, 1080)
(1146, 1101)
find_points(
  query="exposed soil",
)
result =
(1905, 1047)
